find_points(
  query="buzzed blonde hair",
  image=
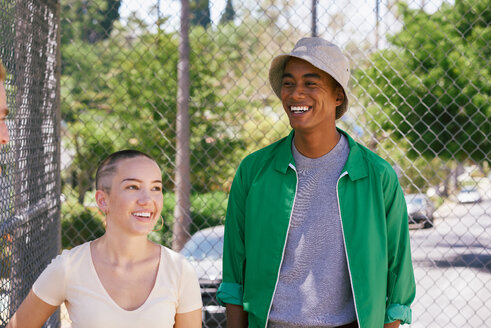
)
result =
(3, 73)
(107, 168)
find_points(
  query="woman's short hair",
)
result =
(107, 168)
(3, 72)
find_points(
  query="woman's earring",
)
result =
(161, 225)
(105, 218)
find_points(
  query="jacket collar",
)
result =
(284, 156)
(356, 165)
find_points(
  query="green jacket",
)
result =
(374, 222)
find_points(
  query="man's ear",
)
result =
(339, 96)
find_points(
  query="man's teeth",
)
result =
(299, 109)
(142, 214)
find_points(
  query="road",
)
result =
(452, 265)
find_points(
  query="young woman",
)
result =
(121, 279)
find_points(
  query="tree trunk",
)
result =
(377, 17)
(182, 211)
(314, 18)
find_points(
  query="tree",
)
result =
(182, 210)
(89, 21)
(200, 13)
(121, 93)
(432, 87)
(86, 113)
(228, 14)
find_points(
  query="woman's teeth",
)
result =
(142, 214)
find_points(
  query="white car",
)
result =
(469, 195)
(420, 210)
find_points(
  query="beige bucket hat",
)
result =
(322, 54)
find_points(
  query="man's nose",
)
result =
(298, 92)
(4, 133)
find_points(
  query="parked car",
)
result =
(469, 195)
(420, 210)
(204, 250)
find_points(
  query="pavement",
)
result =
(452, 265)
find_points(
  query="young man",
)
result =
(4, 132)
(316, 233)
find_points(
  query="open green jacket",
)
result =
(374, 223)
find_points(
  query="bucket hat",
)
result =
(322, 54)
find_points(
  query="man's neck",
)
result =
(315, 145)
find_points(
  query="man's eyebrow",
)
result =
(138, 180)
(287, 75)
(314, 75)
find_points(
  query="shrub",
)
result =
(79, 224)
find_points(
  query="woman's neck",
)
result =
(124, 250)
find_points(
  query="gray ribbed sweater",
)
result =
(314, 289)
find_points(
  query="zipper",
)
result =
(284, 245)
(344, 244)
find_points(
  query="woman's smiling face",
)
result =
(135, 200)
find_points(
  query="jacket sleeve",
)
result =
(401, 287)
(231, 288)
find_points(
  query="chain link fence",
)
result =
(419, 97)
(29, 180)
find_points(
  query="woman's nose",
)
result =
(144, 197)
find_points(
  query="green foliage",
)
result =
(207, 210)
(118, 94)
(200, 12)
(143, 94)
(121, 93)
(89, 21)
(432, 87)
(417, 175)
(79, 224)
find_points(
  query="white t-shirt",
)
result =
(71, 278)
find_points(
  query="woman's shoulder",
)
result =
(76, 251)
(172, 255)
(174, 259)
(70, 257)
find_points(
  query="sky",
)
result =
(167, 7)
(357, 21)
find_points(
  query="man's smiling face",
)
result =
(309, 96)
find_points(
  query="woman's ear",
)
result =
(101, 200)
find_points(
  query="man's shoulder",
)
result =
(373, 158)
(264, 155)
(374, 161)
